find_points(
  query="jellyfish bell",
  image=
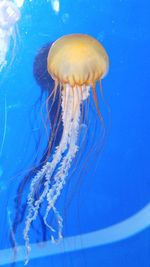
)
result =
(9, 14)
(75, 62)
(77, 59)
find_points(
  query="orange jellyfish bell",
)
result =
(77, 59)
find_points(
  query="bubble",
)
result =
(65, 17)
(55, 5)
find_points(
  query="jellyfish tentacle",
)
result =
(48, 170)
(65, 165)
(60, 225)
(54, 128)
(54, 192)
(68, 141)
(58, 185)
(32, 207)
(97, 105)
(4, 40)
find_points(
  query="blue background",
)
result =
(116, 186)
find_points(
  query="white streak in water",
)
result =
(5, 127)
(117, 232)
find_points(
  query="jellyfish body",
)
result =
(75, 62)
(9, 15)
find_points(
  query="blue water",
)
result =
(116, 186)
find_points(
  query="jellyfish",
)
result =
(75, 62)
(9, 15)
